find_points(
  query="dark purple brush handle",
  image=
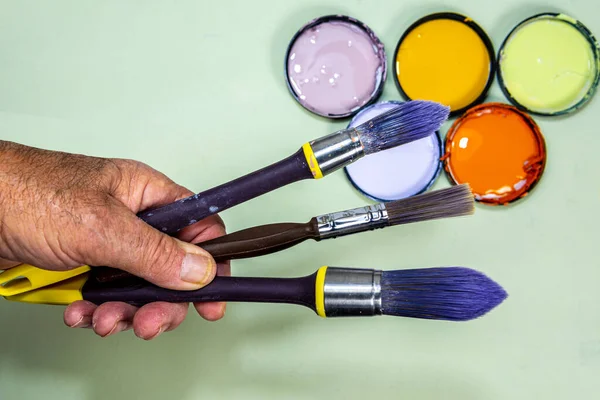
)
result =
(138, 292)
(176, 216)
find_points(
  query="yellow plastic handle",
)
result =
(25, 278)
(61, 293)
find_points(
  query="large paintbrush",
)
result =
(445, 293)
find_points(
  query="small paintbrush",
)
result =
(409, 121)
(455, 201)
(445, 293)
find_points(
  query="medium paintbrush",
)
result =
(445, 293)
(409, 121)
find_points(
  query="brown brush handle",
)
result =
(247, 243)
(260, 240)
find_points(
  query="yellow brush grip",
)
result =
(320, 291)
(312, 161)
(62, 293)
(25, 278)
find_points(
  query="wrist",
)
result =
(11, 158)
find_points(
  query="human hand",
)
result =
(59, 211)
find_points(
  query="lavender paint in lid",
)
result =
(335, 66)
(399, 172)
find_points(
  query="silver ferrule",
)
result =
(352, 292)
(337, 150)
(352, 221)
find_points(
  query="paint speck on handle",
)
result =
(150, 214)
(213, 209)
(193, 221)
(164, 229)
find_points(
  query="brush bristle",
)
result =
(455, 201)
(409, 121)
(445, 293)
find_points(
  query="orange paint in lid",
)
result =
(497, 149)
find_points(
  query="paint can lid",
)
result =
(498, 150)
(549, 65)
(445, 57)
(335, 65)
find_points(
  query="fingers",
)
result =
(137, 248)
(79, 314)
(206, 229)
(155, 318)
(111, 318)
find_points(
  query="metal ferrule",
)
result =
(352, 221)
(337, 150)
(352, 292)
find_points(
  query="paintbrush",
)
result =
(455, 201)
(409, 121)
(445, 293)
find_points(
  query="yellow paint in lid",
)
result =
(447, 58)
(549, 65)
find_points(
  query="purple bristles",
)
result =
(445, 293)
(405, 123)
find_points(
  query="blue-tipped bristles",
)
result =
(450, 293)
(405, 123)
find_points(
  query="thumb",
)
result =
(174, 264)
(158, 258)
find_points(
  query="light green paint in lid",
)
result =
(549, 64)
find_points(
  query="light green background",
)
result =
(196, 89)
